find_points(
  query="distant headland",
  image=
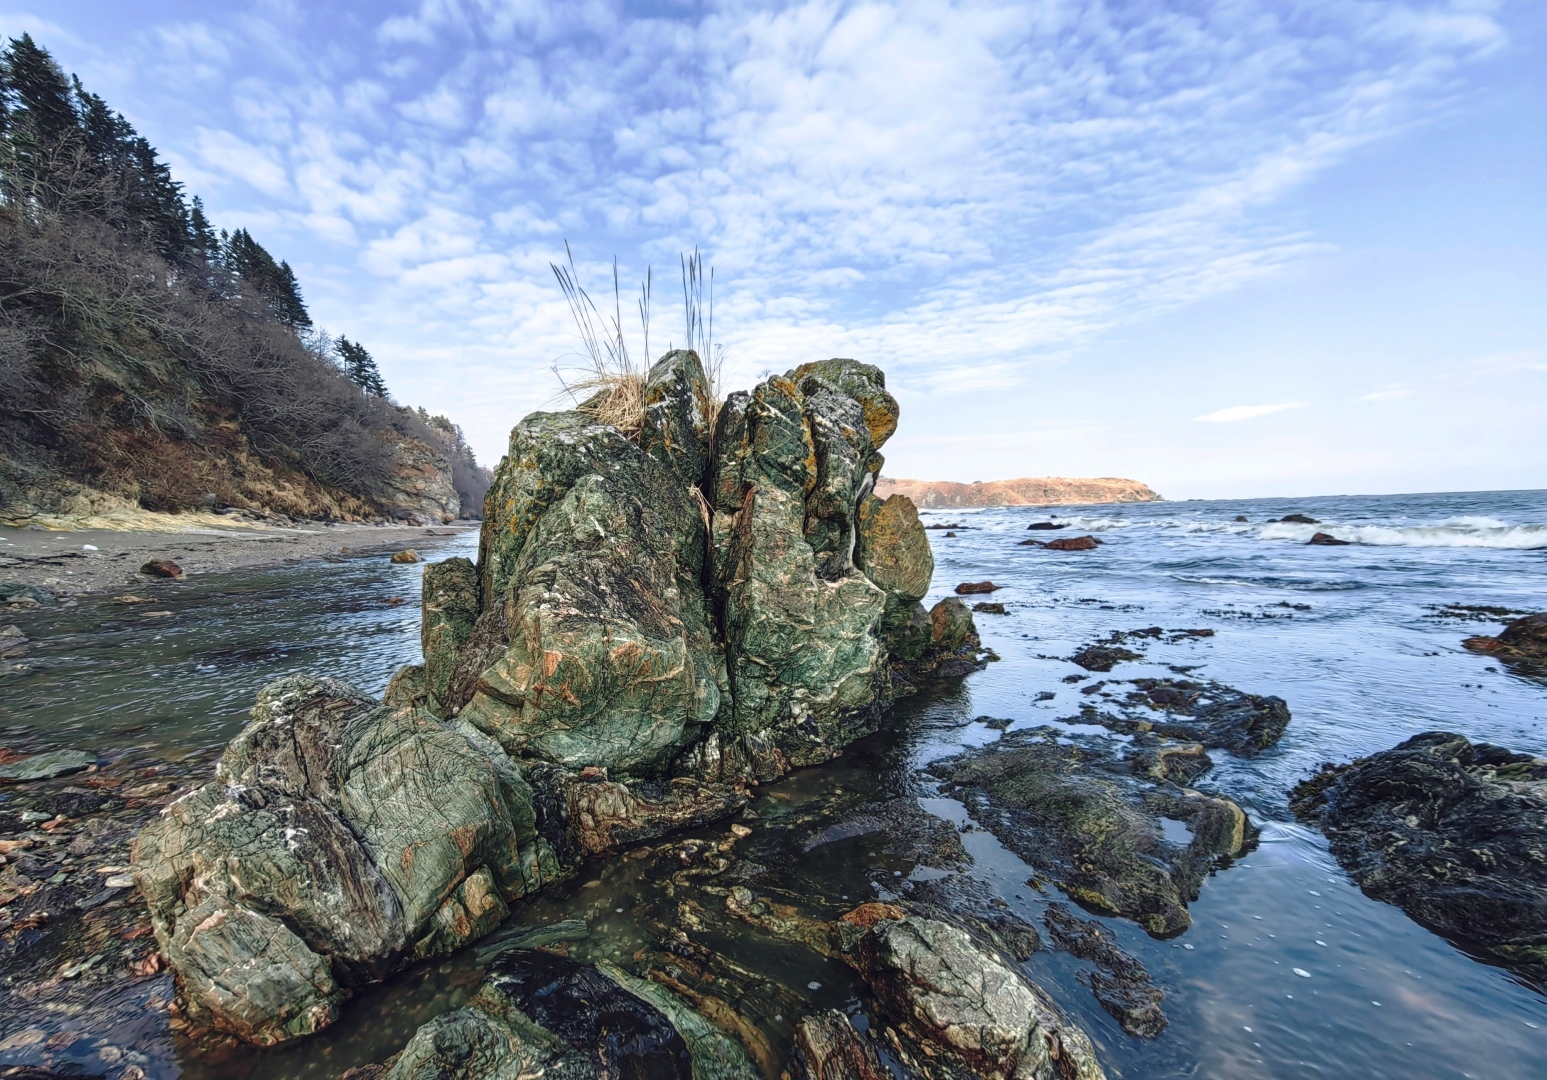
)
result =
(1025, 491)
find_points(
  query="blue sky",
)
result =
(1228, 247)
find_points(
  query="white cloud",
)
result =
(1237, 413)
(964, 191)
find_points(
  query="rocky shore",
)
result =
(57, 565)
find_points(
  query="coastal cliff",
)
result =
(1025, 491)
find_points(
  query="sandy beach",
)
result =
(99, 560)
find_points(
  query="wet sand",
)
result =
(97, 560)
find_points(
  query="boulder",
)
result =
(449, 606)
(987, 607)
(162, 568)
(1523, 639)
(596, 550)
(47, 765)
(1322, 539)
(892, 550)
(407, 555)
(1451, 831)
(1045, 526)
(339, 840)
(1298, 519)
(1073, 543)
(974, 588)
(945, 995)
(1085, 812)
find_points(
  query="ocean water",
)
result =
(1362, 641)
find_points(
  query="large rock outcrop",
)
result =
(1451, 831)
(1524, 639)
(655, 621)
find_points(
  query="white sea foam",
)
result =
(1459, 532)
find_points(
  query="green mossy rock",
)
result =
(678, 405)
(612, 661)
(792, 460)
(339, 839)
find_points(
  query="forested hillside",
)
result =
(146, 358)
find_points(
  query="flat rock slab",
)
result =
(45, 766)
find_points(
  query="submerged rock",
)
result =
(1082, 812)
(47, 765)
(1210, 713)
(1327, 540)
(1452, 832)
(973, 588)
(1523, 639)
(538, 1014)
(827, 1047)
(1120, 983)
(1073, 543)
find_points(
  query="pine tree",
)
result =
(203, 244)
(288, 304)
(43, 129)
(360, 367)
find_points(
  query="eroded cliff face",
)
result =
(653, 625)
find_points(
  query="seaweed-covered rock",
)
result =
(1451, 831)
(340, 839)
(1209, 713)
(1081, 811)
(1523, 639)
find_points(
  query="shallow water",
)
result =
(1355, 638)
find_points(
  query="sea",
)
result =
(1288, 970)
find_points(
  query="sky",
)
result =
(1230, 248)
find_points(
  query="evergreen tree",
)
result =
(276, 282)
(360, 367)
(203, 244)
(42, 129)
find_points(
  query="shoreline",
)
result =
(89, 561)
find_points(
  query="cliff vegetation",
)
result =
(151, 363)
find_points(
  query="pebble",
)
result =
(119, 881)
(813, 985)
(1302, 973)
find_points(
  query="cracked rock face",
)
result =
(944, 990)
(339, 840)
(1451, 831)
